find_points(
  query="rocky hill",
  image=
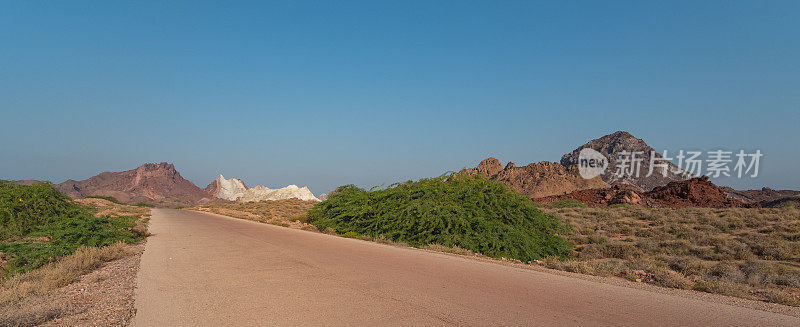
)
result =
(695, 192)
(235, 190)
(152, 183)
(616, 194)
(611, 146)
(537, 179)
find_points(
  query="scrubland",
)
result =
(744, 252)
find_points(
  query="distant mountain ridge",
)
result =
(162, 184)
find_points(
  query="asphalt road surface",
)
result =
(202, 269)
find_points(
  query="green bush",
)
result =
(469, 212)
(38, 224)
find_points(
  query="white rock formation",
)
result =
(258, 193)
(235, 190)
(228, 189)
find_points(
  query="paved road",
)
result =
(207, 270)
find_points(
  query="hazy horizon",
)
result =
(371, 94)
(202, 182)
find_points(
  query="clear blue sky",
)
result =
(373, 93)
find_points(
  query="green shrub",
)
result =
(469, 212)
(350, 234)
(38, 225)
(23, 209)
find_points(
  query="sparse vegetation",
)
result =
(59, 273)
(566, 203)
(747, 253)
(468, 212)
(289, 212)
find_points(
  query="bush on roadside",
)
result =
(38, 225)
(469, 212)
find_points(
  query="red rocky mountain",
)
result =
(152, 183)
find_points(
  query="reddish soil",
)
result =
(617, 194)
(695, 192)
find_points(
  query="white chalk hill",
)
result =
(235, 190)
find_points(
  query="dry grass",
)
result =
(60, 273)
(446, 249)
(34, 313)
(105, 207)
(747, 253)
(286, 213)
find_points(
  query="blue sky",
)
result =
(372, 93)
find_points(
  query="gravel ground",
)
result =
(103, 297)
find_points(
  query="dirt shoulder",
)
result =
(103, 297)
